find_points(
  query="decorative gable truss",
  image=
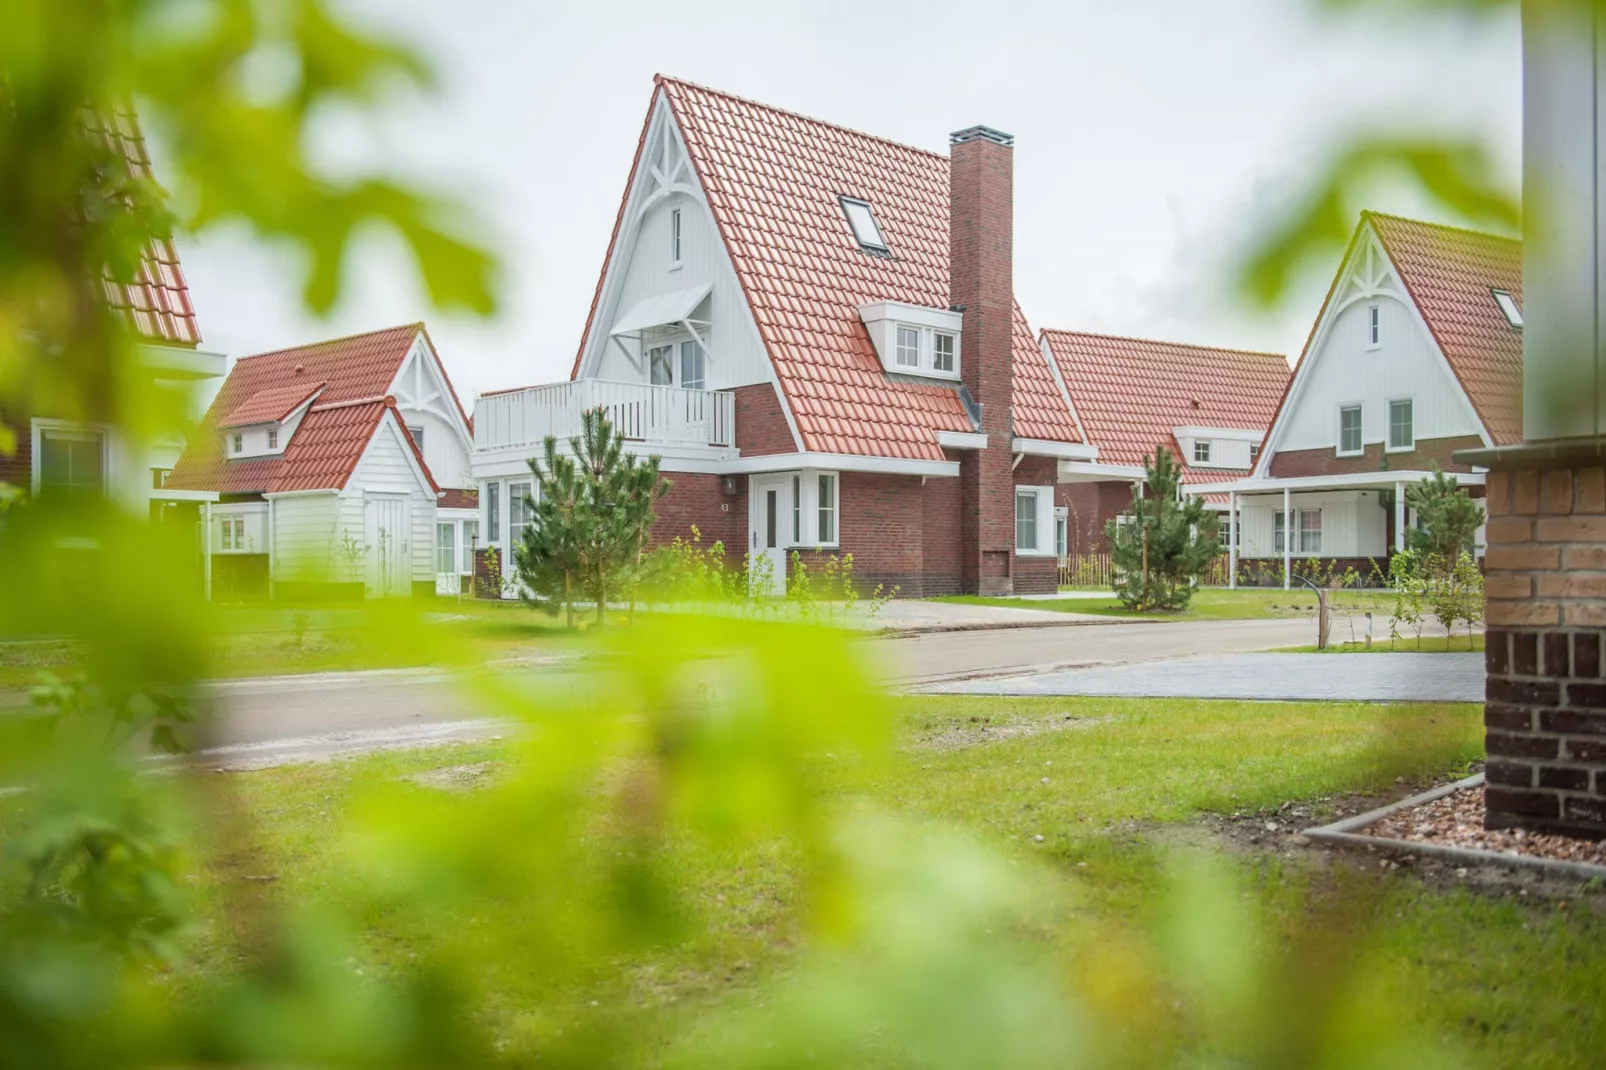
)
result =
(1366, 277)
(421, 385)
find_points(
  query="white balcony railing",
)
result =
(652, 414)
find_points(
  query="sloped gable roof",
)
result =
(270, 406)
(356, 372)
(156, 302)
(773, 180)
(1451, 274)
(1132, 393)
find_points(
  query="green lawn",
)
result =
(1211, 603)
(1430, 644)
(1093, 792)
(269, 640)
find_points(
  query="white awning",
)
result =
(661, 310)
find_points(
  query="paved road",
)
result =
(291, 718)
(1302, 677)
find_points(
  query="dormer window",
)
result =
(1508, 308)
(237, 441)
(914, 339)
(862, 220)
(1201, 451)
(273, 438)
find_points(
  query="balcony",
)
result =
(655, 415)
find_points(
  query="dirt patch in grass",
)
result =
(984, 729)
(462, 778)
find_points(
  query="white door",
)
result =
(767, 508)
(385, 531)
(446, 581)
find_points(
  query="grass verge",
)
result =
(1211, 603)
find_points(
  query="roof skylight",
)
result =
(1508, 305)
(862, 220)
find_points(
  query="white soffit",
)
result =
(661, 310)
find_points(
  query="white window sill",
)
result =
(1374, 347)
(1349, 453)
(1034, 553)
(1400, 449)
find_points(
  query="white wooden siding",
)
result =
(305, 540)
(642, 268)
(443, 449)
(1343, 370)
(255, 515)
(385, 467)
(1353, 524)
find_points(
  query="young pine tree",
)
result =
(549, 557)
(1448, 514)
(1166, 545)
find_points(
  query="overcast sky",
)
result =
(1152, 136)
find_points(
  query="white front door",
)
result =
(767, 508)
(446, 581)
(385, 530)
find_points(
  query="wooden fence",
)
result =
(1097, 570)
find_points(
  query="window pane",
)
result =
(1201, 451)
(660, 371)
(1349, 429)
(228, 534)
(1374, 325)
(863, 223)
(273, 439)
(691, 365)
(518, 511)
(418, 437)
(1310, 531)
(471, 535)
(674, 235)
(445, 551)
(1278, 531)
(239, 443)
(71, 463)
(493, 512)
(1401, 433)
(797, 510)
(943, 352)
(827, 509)
(1025, 520)
(770, 497)
(908, 355)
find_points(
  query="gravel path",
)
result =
(1272, 677)
(1456, 820)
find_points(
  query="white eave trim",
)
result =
(300, 493)
(961, 440)
(1330, 482)
(841, 462)
(1042, 447)
(1102, 471)
(163, 494)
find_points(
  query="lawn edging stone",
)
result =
(1345, 832)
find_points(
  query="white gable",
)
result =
(643, 268)
(424, 399)
(1343, 366)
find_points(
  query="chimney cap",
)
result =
(981, 133)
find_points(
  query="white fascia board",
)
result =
(1237, 434)
(165, 495)
(299, 493)
(1042, 447)
(941, 319)
(1091, 472)
(837, 462)
(170, 361)
(455, 513)
(1329, 482)
(961, 440)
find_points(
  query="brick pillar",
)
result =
(1545, 709)
(981, 235)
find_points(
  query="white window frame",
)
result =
(1254, 453)
(493, 513)
(901, 349)
(1388, 434)
(873, 241)
(809, 511)
(952, 354)
(470, 540)
(677, 237)
(1062, 532)
(448, 548)
(237, 443)
(517, 509)
(1204, 445)
(1042, 520)
(1310, 551)
(1338, 442)
(273, 438)
(670, 351)
(416, 433)
(43, 428)
(1374, 326)
(701, 382)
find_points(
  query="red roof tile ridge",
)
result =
(1161, 342)
(331, 341)
(1389, 216)
(664, 79)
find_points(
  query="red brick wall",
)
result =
(1323, 462)
(1545, 712)
(761, 427)
(699, 498)
(1090, 507)
(1034, 575)
(981, 278)
(942, 537)
(880, 522)
(17, 469)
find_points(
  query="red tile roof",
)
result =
(773, 179)
(270, 406)
(1450, 273)
(356, 372)
(1131, 393)
(156, 303)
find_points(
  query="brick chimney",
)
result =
(981, 239)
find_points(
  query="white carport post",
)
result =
(1399, 517)
(206, 549)
(1232, 539)
(1288, 540)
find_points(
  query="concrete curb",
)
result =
(893, 632)
(1343, 832)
